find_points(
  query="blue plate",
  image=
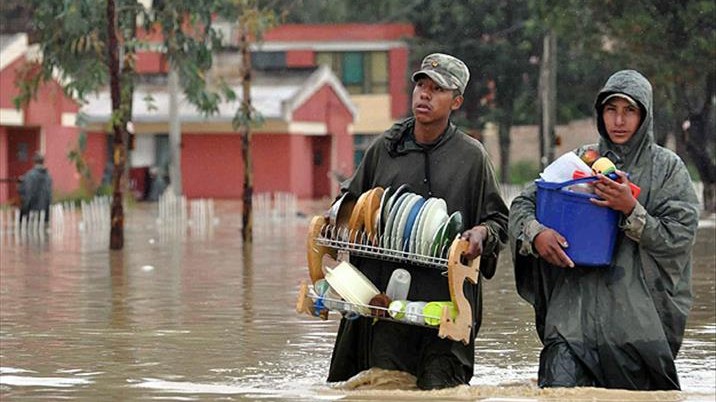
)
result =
(411, 221)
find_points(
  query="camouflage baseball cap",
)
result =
(447, 71)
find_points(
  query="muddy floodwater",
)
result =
(187, 315)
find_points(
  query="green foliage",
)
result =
(523, 172)
(72, 35)
(76, 156)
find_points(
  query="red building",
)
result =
(305, 137)
(371, 60)
(45, 125)
(317, 119)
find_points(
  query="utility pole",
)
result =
(548, 98)
(174, 131)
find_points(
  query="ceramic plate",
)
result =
(340, 213)
(418, 225)
(379, 220)
(391, 201)
(447, 233)
(410, 222)
(391, 221)
(371, 206)
(436, 217)
(355, 222)
(396, 234)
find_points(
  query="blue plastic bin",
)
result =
(590, 230)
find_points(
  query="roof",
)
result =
(12, 47)
(275, 96)
(335, 37)
(339, 32)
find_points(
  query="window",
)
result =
(268, 60)
(360, 72)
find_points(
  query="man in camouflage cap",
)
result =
(447, 71)
(435, 159)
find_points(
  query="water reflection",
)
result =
(185, 313)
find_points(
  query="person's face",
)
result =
(621, 119)
(431, 102)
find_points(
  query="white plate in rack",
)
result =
(417, 226)
(396, 233)
(392, 218)
(436, 217)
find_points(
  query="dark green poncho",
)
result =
(618, 326)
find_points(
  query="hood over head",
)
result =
(633, 86)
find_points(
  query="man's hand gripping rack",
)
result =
(324, 241)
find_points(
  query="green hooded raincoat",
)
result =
(618, 326)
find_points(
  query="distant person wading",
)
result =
(36, 190)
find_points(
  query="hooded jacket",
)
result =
(36, 191)
(623, 323)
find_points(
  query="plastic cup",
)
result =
(398, 285)
(396, 309)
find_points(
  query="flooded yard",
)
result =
(188, 315)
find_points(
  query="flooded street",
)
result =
(189, 316)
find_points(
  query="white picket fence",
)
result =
(177, 214)
(274, 206)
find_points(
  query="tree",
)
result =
(253, 22)
(498, 40)
(91, 44)
(674, 45)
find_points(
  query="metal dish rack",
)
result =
(359, 243)
(341, 243)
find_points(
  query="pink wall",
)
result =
(398, 81)
(272, 156)
(96, 155)
(4, 186)
(59, 140)
(301, 166)
(300, 58)
(151, 62)
(211, 165)
(324, 105)
(7, 83)
(44, 111)
(339, 32)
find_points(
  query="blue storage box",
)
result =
(591, 231)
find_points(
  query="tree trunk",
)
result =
(116, 239)
(174, 132)
(697, 146)
(247, 216)
(699, 139)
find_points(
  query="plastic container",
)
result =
(591, 231)
(414, 312)
(351, 285)
(433, 311)
(398, 285)
(396, 309)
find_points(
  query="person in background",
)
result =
(36, 189)
(618, 326)
(431, 155)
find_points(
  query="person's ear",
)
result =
(457, 102)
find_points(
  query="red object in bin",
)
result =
(635, 190)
